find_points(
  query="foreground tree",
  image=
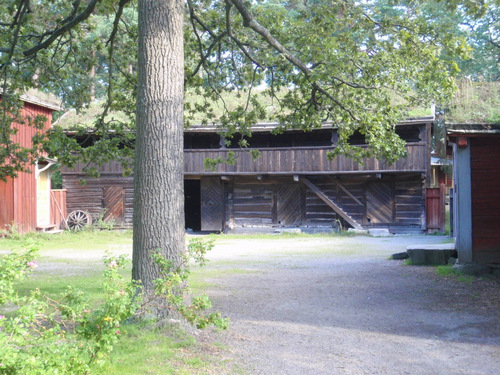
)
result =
(358, 65)
(159, 167)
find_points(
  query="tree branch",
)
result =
(71, 21)
(250, 22)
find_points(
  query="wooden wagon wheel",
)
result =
(79, 219)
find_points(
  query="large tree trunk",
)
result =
(159, 166)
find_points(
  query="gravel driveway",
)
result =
(323, 305)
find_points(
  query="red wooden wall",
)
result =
(485, 190)
(435, 209)
(18, 196)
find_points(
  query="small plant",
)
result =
(102, 224)
(172, 286)
(11, 231)
(408, 262)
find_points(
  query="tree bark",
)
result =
(159, 163)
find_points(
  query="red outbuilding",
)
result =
(25, 201)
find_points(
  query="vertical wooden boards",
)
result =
(114, 203)
(485, 204)
(58, 212)
(289, 204)
(212, 203)
(6, 203)
(435, 209)
(379, 202)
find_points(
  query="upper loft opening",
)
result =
(315, 138)
(408, 133)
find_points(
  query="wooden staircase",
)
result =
(331, 203)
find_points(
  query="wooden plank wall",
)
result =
(88, 194)
(19, 196)
(257, 203)
(409, 201)
(301, 159)
(212, 204)
(253, 203)
(485, 185)
(435, 209)
(6, 203)
(380, 201)
(58, 212)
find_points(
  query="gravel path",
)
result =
(339, 306)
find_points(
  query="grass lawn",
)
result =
(75, 259)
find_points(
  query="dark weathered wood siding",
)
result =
(268, 192)
(301, 160)
(276, 201)
(212, 204)
(485, 184)
(88, 194)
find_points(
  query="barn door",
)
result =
(212, 204)
(114, 203)
(379, 202)
(289, 212)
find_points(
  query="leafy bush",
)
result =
(42, 335)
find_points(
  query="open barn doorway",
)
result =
(192, 206)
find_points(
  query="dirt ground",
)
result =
(340, 306)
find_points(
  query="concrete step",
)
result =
(436, 254)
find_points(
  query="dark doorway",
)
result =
(192, 211)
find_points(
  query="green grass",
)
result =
(83, 240)
(475, 102)
(142, 349)
(450, 272)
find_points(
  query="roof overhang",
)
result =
(471, 130)
(42, 103)
(268, 126)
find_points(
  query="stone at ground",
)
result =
(434, 255)
(357, 231)
(399, 256)
(379, 232)
(288, 230)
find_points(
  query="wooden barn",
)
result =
(293, 184)
(26, 202)
(476, 151)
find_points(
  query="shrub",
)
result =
(42, 335)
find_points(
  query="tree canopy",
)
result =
(358, 65)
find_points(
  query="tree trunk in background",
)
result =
(92, 77)
(159, 163)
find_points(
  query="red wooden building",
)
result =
(476, 151)
(25, 201)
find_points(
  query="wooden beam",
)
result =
(346, 191)
(330, 203)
